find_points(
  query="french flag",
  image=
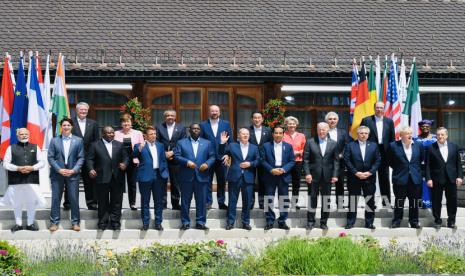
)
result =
(36, 117)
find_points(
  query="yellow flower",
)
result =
(109, 253)
(113, 271)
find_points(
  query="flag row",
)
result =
(401, 98)
(28, 102)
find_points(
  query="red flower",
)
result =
(220, 242)
(342, 234)
(17, 271)
(3, 252)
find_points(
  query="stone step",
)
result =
(216, 234)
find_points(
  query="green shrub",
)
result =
(11, 259)
(299, 256)
(440, 262)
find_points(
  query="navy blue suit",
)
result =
(240, 179)
(355, 163)
(218, 168)
(193, 181)
(281, 182)
(151, 181)
(406, 179)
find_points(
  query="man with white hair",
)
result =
(405, 157)
(23, 161)
(342, 138)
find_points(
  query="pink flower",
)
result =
(342, 234)
(17, 271)
(219, 242)
(3, 252)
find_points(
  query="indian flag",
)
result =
(60, 106)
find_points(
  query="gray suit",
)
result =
(56, 159)
(322, 168)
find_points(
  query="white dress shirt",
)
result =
(363, 147)
(154, 152)
(278, 154)
(195, 146)
(333, 134)
(109, 147)
(258, 133)
(170, 129)
(444, 150)
(214, 124)
(66, 146)
(82, 125)
(244, 150)
(408, 151)
(323, 143)
(379, 129)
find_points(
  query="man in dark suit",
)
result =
(342, 138)
(151, 173)
(169, 133)
(405, 157)
(66, 157)
(211, 130)
(195, 156)
(87, 129)
(382, 133)
(362, 159)
(245, 157)
(321, 166)
(106, 160)
(277, 160)
(444, 173)
(259, 135)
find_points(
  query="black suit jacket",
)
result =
(179, 133)
(389, 135)
(99, 160)
(443, 171)
(319, 166)
(355, 163)
(266, 136)
(342, 140)
(91, 134)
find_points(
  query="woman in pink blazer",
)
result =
(130, 137)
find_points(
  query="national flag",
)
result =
(412, 104)
(404, 120)
(372, 85)
(392, 108)
(47, 105)
(384, 84)
(60, 106)
(363, 106)
(40, 77)
(37, 118)
(378, 78)
(353, 92)
(20, 103)
(6, 105)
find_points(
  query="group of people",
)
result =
(264, 159)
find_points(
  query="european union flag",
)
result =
(20, 104)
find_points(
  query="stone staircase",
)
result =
(131, 224)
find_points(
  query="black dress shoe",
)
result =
(177, 207)
(223, 206)
(261, 206)
(116, 227)
(229, 226)
(268, 226)
(349, 226)
(415, 225)
(102, 227)
(158, 227)
(32, 227)
(246, 227)
(452, 225)
(133, 207)
(92, 207)
(395, 225)
(310, 226)
(184, 227)
(201, 227)
(283, 226)
(323, 226)
(370, 226)
(145, 227)
(437, 226)
(16, 227)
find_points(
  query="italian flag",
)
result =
(60, 106)
(412, 104)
